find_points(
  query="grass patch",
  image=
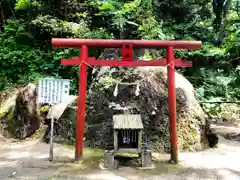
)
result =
(126, 154)
(164, 167)
(91, 158)
(39, 133)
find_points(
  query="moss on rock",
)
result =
(152, 104)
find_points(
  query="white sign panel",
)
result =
(53, 91)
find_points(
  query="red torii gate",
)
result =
(127, 50)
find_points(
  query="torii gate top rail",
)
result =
(112, 43)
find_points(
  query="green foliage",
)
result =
(28, 61)
(107, 82)
(178, 10)
(121, 13)
(16, 59)
(68, 10)
(26, 53)
(21, 4)
(212, 109)
(234, 86)
(151, 29)
(24, 4)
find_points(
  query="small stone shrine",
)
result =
(128, 131)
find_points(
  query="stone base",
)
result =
(109, 159)
(146, 158)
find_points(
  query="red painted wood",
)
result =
(127, 63)
(172, 105)
(112, 43)
(182, 63)
(81, 104)
(74, 61)
(178, 63)
(94, 62)
(127, 52)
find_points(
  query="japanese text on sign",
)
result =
(53, 91)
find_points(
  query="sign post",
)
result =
(51, 140)
(53, 91)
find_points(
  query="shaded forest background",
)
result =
(27, 27)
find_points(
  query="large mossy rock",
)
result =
(151, 103)
(7, 106)
(19, 112)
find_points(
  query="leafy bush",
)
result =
(25, 42)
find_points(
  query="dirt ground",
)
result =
(28, 160)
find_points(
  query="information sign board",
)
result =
(53, 91)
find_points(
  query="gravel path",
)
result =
(28, 160)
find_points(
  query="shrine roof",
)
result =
(127, 121)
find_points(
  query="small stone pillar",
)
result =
(146, 158)
(109, 159)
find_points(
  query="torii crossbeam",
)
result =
(127, 49)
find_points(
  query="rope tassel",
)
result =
(115, 93)
(137, 92)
